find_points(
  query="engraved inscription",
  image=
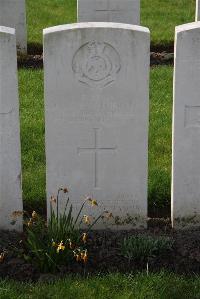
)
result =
(96, 149)
(108, 8)
(96, 64)
(100, 109)
(192, 116)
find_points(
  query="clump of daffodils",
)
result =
(59, 240)
(81, 255)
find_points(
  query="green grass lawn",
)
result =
(32, 135)
(160, 135)
(141, 286)
(161, 16)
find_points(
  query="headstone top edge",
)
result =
(187, 27)
(88, 25)
(7, 30)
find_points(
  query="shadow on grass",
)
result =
(38, 205)
(35, 48)
(168, 47)
(159, 212)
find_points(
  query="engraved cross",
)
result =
(107, 9)
(96, 149)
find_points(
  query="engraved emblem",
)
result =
(96, 64)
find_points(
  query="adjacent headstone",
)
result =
(186, 128)
(197, 10)
(13, 14)
(10, 157)
(118, 11)
(96, 102)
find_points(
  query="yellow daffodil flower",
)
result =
(86, 219)
(2, 257)
(94, 203)
(85, 257)
(84, 238)
(60, 247)
(34, 215)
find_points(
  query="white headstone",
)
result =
(96, 99)
(10, 156)
(119, 11)
(13, 14)
(197, 10)
(186, 128)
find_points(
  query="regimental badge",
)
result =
(96, 64)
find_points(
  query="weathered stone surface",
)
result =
(197, 10)
(119, 11)
(10, 156)
(186, 128)
(96, 101)
(13, 14)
